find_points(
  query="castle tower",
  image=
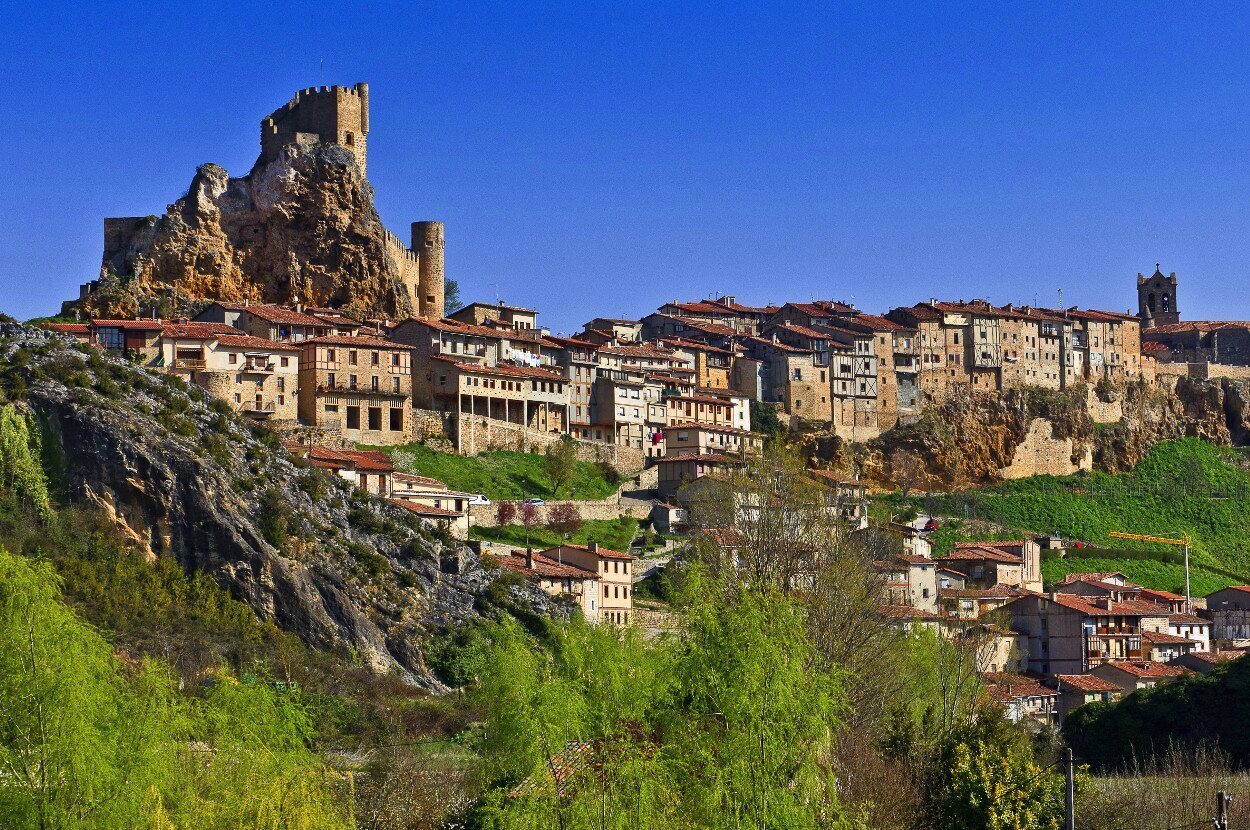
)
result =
(1156, 299)
(427, 243)
(320, 115)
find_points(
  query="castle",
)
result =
(335, 115)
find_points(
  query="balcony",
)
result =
(257, 366)
(189, 363)
(345, 389)
(258, 409)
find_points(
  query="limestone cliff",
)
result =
(184, 478)
(981, 438)
(301, 224)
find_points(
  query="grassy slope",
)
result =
(1189, 486)
(500, 474)
(614, 534)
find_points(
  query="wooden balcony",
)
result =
(190, 363)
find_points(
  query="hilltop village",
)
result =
(673, 398)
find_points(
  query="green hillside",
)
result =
(1187, 486)
(501, 474)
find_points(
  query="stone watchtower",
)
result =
(427, 242)
(320, 115)
(1156, 299)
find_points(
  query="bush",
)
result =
(274, 517)
(505, 513)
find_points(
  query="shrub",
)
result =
(505, 513)
(274, 517)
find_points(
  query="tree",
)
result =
(764, 419)
(505, 513)
(564, 518)
(451, 295)
(530, 514)
(561, 464)
(908, 470)
(729, 726)
(21, 470)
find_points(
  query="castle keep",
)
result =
(318, 116)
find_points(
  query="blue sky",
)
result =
(601, 159)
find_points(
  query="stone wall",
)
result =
(476, 434)
(1203, 371)
(483, 515)
(1103, 412)
(1041, 453)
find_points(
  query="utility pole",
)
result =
(1069, 791)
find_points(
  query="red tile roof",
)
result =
(1164, 639)
(905, 612)
(708, 428)
(362, 342)
(1096, 575)
(197, 331)
(715, 458)
(601, 551)
(1086, 683)
(130, 325)
(1146, 669)
(279, 314)
(503, 369)
(240, 340)
(1191, 326)
(1187, 619)
(543, 566)
(67, 328)
(425, 509)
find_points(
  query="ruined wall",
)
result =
(475, 434)
(1041, 453)
(483, 515)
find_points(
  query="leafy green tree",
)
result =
(728, 726)
(451, 295)
(21, 472)
(89, 742)
(561, 463)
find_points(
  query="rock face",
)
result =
(350, 572)
(300, 225)
(982, 438)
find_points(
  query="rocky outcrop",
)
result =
(981, 438)
(184, 478)
(302, 225)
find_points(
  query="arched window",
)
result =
(1167, 303)
(1150, 301)
(349, 139)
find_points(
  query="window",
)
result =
(284, 362)
(234, 358)
(353, 417)
(281, 384)
(332, 408)
(395, 385)
(374, 383)
(394, 358)
(373, 358)
(375, 417)
(351, 358)
(330, 355)
(397, 419)
(798, 374)
(330, 379)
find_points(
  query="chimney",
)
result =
(529, 559)
(592, 546)
(1105, 602)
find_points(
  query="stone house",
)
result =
(1016, 563)
(506, 316)
(579, 361)
(615, 573)
(1191, 627)
(675, 471)
(1131, 675)
(1023, 698)
(268, 321)
(1076, 690)
(368, 470)
(683, 438)
(434, 501)
(1067, 634)
(559, 579)
(1229, 612)
(257, 377)
(357, 387)
(138, 339)
(793, 377)
(712, 365)
(528, 396)
(626, 331)
(79, 331)
(975, 603)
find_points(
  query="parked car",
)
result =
(478, 498)
(931, 525)
(534, 502)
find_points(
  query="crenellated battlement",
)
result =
(328, 114)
